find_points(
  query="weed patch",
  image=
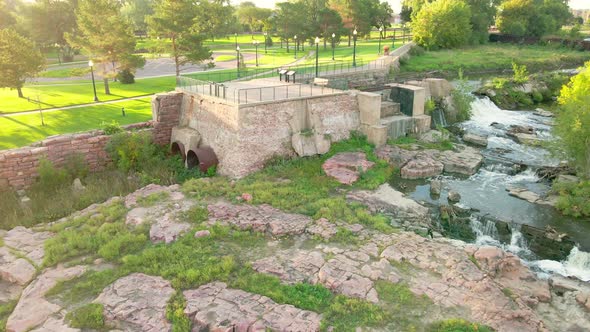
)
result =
(89, 316)
(345, 314)
(175, 313)
(5, 311)
(457, 325)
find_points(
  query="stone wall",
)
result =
(18, 167)
(245, 136)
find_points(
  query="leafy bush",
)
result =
(573, 120)
(131, 151)
(452, 21)
(126, 77)
(175, 313)
(50, 177)
(89, 316)
(574, 198)
(521, 74)
(417, 50)
(111, 128)
(429, 106)
(537, 96)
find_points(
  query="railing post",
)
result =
(260, 94)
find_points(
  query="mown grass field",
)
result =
(496, 57)
(26, 128)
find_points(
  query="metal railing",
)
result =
(252, 95)
(306, 71)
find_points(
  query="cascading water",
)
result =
(486, 191)
(439, 118)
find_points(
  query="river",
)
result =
(485, 192)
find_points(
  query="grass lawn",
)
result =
(79, 92)
(25, 129)
(496, 56)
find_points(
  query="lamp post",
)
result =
(393, 42)
(236, 38)
(238, 61)
(256, 42)
(296, 46)
(265, 41)
(317, 53)
(380, 34)
(91, 65)
(354, 48)
(333, 45)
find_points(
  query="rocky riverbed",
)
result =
(484, 284)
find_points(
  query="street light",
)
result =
(236, 37)
(380, 31)
(317, 53)
(333, 45)
(91, 65)
(296, 46)
(393, 42)
(256, 42)
(238, 63)
(354, 48)
(265, 41)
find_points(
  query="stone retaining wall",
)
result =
(18, 167)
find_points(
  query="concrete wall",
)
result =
(18, 167)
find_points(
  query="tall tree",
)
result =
(252, 17)
(382, 16)
(19, 60)
(136, 11)
(442, 24)
(289, 16)
(49, 21)
(356, 14)
(215, 18)
(173, 19)
(483, 13)
(330, 22)
(532, 17)
(106, 37)
(7, 18)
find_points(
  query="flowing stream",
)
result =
(485, 192)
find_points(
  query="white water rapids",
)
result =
(485, 190)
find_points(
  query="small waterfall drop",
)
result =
(487, 234)
(576, 265)
(439, 118)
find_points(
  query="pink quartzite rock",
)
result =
(27, 242)
(32, 309)
(137, 302)
(260, 218)
(214, 307)
(421, 167)
(346, 167)
(14, 269)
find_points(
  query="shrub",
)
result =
(111, 128)
(417, 50)
(521, 74)
(429, 106)
(131, 151)
(574, 198)
(452, 21)
(537, 96)
(89, 316)
(126, 77)
(50, 178)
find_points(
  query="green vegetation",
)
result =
(89, 316)
(573, 120)
(20, 58)
(5, 310)
(79, 92)
(532, 17)
(462, 99)
(451, 19)
(410, 142)
(490, 56)
(24, 129)
(574, 198)
(307, 190)
(222, 58)
(175, 313)
(65, 72)
(458, 325)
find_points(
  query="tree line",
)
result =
(452, 23)
(107, 30)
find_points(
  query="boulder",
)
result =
(14, 269)
(433, 136)
(323, 228)
(215, 307)
(476, 139)
(346, 167)
(435, 187)
(466, 160)
(528, 139)
(530, 196)
(544, 113)
(203, 233)
(565, 178)
(259, 218)
(78, 186)
(310, 145)
(28, 242)
(137, 302)
(421, 167)
(454, 196)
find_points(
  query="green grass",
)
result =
(5, 310)
(457, 325)
(24, 129)
(222, 58)
(89, 316)
(495, 57)
(79, 92)
(65, 72)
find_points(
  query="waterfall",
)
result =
(486, 233)
(438, 117)
(576, 265)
